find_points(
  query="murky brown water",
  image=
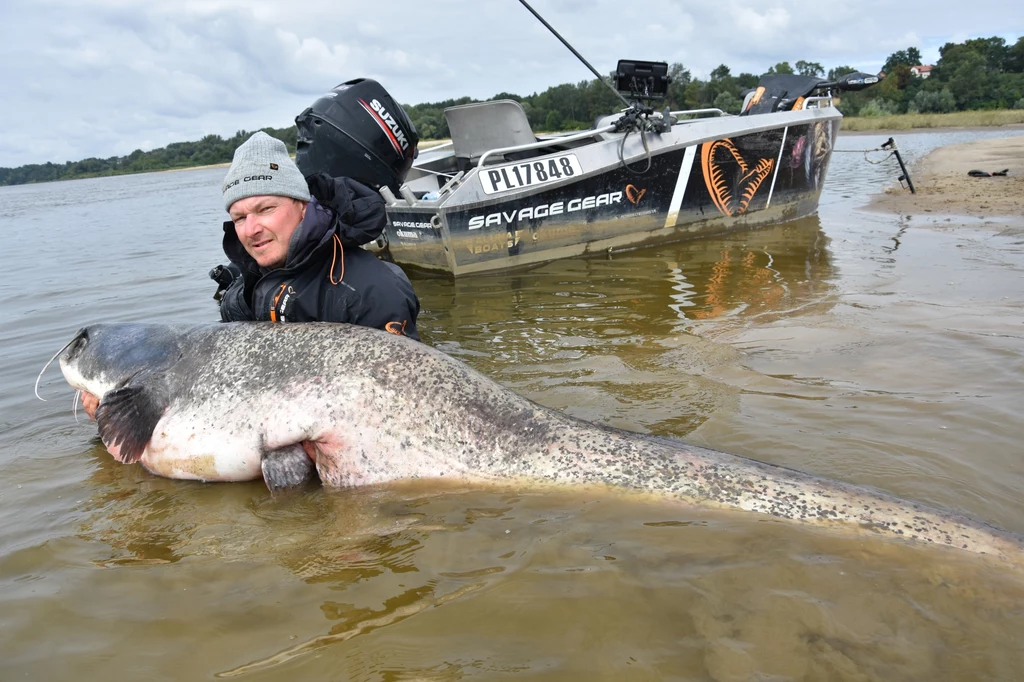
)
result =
(868, 348)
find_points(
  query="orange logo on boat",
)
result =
(635, 195)
(731, 198)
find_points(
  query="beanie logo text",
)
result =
(247, 178)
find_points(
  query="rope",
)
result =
(868, 151)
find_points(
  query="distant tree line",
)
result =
(211, 149)
(981, 73)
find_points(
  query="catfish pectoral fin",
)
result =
(287, 467)
(126, 418)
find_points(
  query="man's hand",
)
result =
(89, 404)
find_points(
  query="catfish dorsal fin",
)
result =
(126, 418)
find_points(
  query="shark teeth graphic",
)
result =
(732, 198)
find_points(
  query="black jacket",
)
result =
(327, 277)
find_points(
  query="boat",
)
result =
(499, 197)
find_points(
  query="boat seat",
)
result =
(482, 126)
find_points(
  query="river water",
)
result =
(877, 349)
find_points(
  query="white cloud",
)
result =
(760, 25)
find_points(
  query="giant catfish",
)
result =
(235, 402)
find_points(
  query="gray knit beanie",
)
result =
(261, 165)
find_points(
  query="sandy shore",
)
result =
(944, 187)
(191, 168)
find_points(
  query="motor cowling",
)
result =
(357, 130)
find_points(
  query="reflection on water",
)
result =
(860, 347)
(613, 340)
(692, 280)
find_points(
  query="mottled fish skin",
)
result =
(371, 407)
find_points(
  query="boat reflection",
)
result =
(777, 268)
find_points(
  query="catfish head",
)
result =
(104, 357)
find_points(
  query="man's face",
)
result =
(265, 224)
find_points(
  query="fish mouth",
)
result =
(70, 349)
(78, 377)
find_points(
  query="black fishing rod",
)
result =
(578, 55)
(637, 115)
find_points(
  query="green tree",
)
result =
(720, 72)
(932, 102)
(877, 107)
(747, 80)
(973, 72)
(908, 57)
(838, 72)
(966, 79)
(728, 103)
(900, 76)
(677, 86)
(993, 49)
(781, 67)
(694, 91)
(1014, 62)
(810, 69)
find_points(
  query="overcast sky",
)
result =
(101, 78)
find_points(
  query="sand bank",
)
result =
(944, 187)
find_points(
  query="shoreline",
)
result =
(945, 129)
(188, 168)
(945, 188)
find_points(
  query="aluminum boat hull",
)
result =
(705, 176)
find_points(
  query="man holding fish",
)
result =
(294, 245)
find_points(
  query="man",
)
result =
(296, 246)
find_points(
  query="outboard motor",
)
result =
(358, 131)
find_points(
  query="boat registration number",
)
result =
(530, 173)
